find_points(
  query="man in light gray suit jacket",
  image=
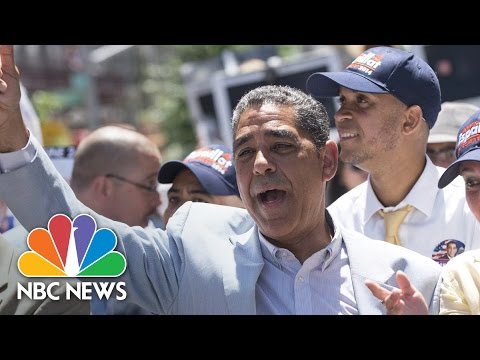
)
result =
(283, 255)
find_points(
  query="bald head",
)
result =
(109, 150)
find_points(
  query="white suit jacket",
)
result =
(209, 258)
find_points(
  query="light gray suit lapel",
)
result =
(366, 265)
(241, 269)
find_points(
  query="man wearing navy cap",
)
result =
(389, 101)
(205, 175)
(460, 287)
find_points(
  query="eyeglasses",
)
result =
(442, 154)
(152, 189)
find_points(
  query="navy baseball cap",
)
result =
(467, 148)
(383, 70)
(213, 167)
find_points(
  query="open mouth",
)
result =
(271, 196)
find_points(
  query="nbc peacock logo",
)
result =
(71, 249)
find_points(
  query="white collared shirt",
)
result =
(322, 285)
(439, 215)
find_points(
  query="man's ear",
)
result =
(413, 119)
(102, 186)
(330, 160)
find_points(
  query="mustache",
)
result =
(274, 180)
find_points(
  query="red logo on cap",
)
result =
(367, 62)
(215, 158)
(469, 135)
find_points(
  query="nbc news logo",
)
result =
(72, 249)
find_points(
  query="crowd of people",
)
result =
(254, 229)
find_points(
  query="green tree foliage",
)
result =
(47, 104)
(167, 107)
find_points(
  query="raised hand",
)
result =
(406, 300)
(13, 134)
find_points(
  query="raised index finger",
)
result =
(404, 283)
(7, 62)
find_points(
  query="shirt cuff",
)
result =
(16, 159)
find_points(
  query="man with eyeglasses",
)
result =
(443, 136)
(115, 174)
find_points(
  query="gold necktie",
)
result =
(392, 223)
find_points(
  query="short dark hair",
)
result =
(311, 115)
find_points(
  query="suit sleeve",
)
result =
(36, 191)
